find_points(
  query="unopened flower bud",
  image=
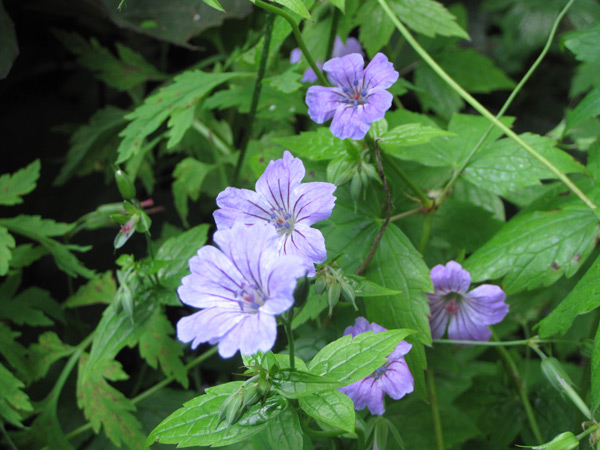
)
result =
(232, 408)
(348, 292)
(320, 285)
(333, 295)
(356, 186)
(553, 371)
(126, 187)
(564, 441)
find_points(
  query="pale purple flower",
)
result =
(240, 287)
(393, 378)
(359, 97)
(465, 314)
(339, 49)
(282, 200)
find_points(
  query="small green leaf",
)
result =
(100, 289)
(7, 243)
(297, 6)
(214, 4)
(587, 108)
(584, 43)
(284, 431)
(31, 307)
(365, 288)
(297, 384)
(189, 175)
(20, 183)
(314, 145)
(428, 17)
(288, 81)
(44, 353)
(331, 407)
(13, 401)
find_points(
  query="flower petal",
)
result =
(463, 326)
(280, 178)
(438, 320)
(349, 123)
(361, 325)
(295, 55)
(352, 46)
(208, 325)
(240, 205)
(322, 102)
(379, 103)
(380, 73)
(281, 283)
(345, 70)
(306, 242)
(451, 278)
(313, 202)
(397, 381)
(256, 332)
(486, 304)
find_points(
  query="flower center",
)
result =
(356, 95)
(250, 298)
(379, 372)
(283, 221)
(453, 301)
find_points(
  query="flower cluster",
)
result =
(393, 378)
(265, 244)
(466, 315)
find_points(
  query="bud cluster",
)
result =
(331, 280)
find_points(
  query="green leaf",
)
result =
(31, 307)
(20, 183)
(189, 175)
(177, 251)
(38, 229)
(90, 139)
(584, 43)
(583, 298)
(44, 353)
(536, 248)
(284, 431)
(100, 289)
(13, 400)
(340, 4)
(13, 351)
(372, 17)
(175, 102)
(348, 359)
(214, 4)
(331, 407)
(428, 17)
(595, 378)
(25, 254)
(314, 145)
(297, 384)
(288, 81)
(435, 94)
(156, 346)
(587, 108)
(297, 6)
(407, 136)
(7, 242)
(197, 422)
(365, 288)
(9, 48)
(105, 406)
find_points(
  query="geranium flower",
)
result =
(359, 98)
(465, 314)
(339, 49)
(282, 200)
(393, 378)
(240, 288)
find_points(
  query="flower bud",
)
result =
(232, 408)
(320, 285)
(126, 187)
(348, 292)
(564, 441)
(333, 295)
(144, 222)
(554, 372)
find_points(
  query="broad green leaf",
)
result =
(175, 102)
(297, 384)
(297, 6)
(587, 108)
(7, 243)
(20, 183)
(407, 136)
(177, 251)
(156, 345)
(13, 401)
(44, 353)
(89, 140)
(595, 390)
(584, 298)
(189, 175)
(314, 145)
(284, 431)
(123, 72)
(214, 4)
(372, 17)
(31, 307)
(536, 248)
(197, 422)
(348, 359)
(105, 406)
(365, 288)
(584, 43)
(100, 289)
(38, 229)
(428, 17)
(9, 47)
(331, 407)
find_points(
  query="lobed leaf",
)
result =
(588, 107)
(331, 407)
(20, 183)
(7, 244)
(428, 17)
(189, 175)
(32, 306)
(13, 401)
(42, 354)
(584, 43)
(100, 289)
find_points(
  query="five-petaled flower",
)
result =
(240, 288)
(392, 378)
(465, 314)
(282, 200)
(339, 49)
(359, 98)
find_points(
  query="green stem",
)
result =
(426, 231)
(479, 107)
(406, 214)
(516, 376)
(587, 432)
(332, 33)
(283, 13)
(435, 410)
(9, 441)
(287, 323)
(508, 102)
(425, 200)
(255, 95)
(528, 342)
(212, 137)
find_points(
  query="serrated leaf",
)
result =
(314, 145)
(348, 359)
(427, 17)
(156, 345)
(189, 175)
(31, 307)
(407, 136)
(7, 243)
(44, 353)
(13, 400)
(332, 407)
(536, 248)
(588, 107)
(20, 183)
(297, 384)
(25, 254)
(105, 406)
(582, 299)
(197, 422)
(288, 81)
(100, 289)
(372, 17)
(13, 351)
(175, 102)
(297, 6)
(584, 43)
(9, 47)
(284, 431)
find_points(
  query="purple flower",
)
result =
(359, 98)
(282, 200)
(468, 313)
(393, 378)
(240, 288)
(339, 49)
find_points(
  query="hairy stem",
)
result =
(479, 107)
(435, 410)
